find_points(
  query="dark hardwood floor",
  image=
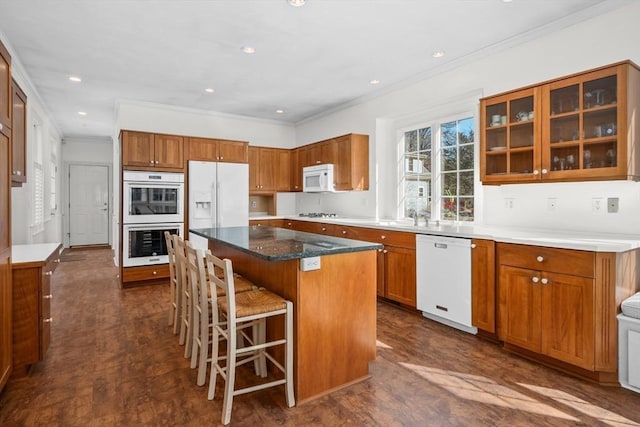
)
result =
(114, 361)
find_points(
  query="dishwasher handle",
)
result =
(440, 245)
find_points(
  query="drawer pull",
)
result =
(439, 307)
(47, 296)
(155, 272)
(49, 320)
(539, 258)
(535, 279)
(544, 280)
(379, 250)
(344, 231)
(48, 273)
(324, 228)
(384, 251)
(383, 237)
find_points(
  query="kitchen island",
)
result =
(334, 305)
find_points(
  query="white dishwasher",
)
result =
(443, 271)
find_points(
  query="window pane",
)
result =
(411, 141)
(465, 131)
(466, 184)
(466, 209)
(449, 208)
(449, 184)
(448, 134)
(425, 139)
(466, 157)
(449, 159)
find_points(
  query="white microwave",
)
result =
(318, 178)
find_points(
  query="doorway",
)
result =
(88, 205)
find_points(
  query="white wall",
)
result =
(182, 121)
(22, 218)
(606, 39)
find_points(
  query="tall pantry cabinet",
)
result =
(6, 326)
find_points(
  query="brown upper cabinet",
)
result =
(19, 136)
(5, 89)
(262, 169)
(348, 153)
(218, 150)
(148, 151)
(575, 128)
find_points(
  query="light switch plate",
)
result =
(309, 264)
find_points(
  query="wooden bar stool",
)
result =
(246, 308)
(201, 319)
(186, 303)
(174, 288)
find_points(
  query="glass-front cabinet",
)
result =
(582, 127)
(509, 147)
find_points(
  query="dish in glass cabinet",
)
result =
(497, 148)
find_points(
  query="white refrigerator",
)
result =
(218, 197)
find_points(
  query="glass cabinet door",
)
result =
(509, 148)
(580, 127)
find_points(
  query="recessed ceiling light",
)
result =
(374, 81)
(248, 49)
(82, 113)
(506, 1)
(209, 90)
(296, 3)
(438, 54)
(75, 79)
(279, 111)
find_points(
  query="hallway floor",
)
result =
(113, 361)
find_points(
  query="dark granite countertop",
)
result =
(277, 244)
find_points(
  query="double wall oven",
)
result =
(153, 202)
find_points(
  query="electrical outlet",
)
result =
(612, 204)
(254, 204)
(552, 204)
(509, 203)
(597, 205)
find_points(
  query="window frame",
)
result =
(436, 184)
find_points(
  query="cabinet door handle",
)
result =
(384, 251)
(49, 320)
(18, 173)
(539, 258)
(48, 273)
(221, 158)
(383, 237)
(544, 280)
(0, 126)
(536, 172)
(473, 246)
(47, 296)
(324, 229)
(544, 171)
(379, 250)
(155, 272)
(157, 161)
(56, 260)
(344, 231)
(535, 279)
(151, 161)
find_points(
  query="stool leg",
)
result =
(172, 308)
(229, 385)
(213, 376)
(195, 336)
(262, 338)
(288, 363)
(177, 312)
(183, 319)
(204, 353)
(188, 327)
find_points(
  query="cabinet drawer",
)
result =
(567, 261)
(147, 272)
(385, 237)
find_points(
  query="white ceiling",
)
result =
(309, 59)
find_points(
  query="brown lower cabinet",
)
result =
(6, 326)
(559, 306)
(32, 309)
(483, 285)
(396, 272)
(266, 223)
(146, 274)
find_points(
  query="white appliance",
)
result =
(144, 244)
(318, 178)
(218, 197)
(152, 197)
(444, 280)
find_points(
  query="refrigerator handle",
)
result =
(219, 197)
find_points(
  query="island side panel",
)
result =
(338, 330)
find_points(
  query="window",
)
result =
(437, 176)
(53, 171)
(38, 198)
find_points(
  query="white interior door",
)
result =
(88, 205)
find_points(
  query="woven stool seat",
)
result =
(255, 302)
